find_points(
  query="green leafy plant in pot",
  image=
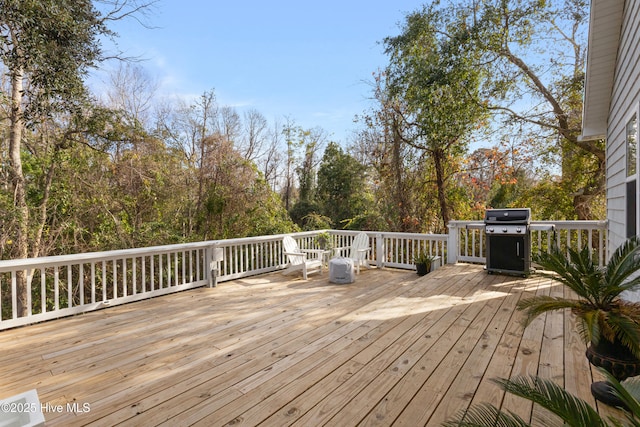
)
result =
(423, 262)
(609, 324)
(323, 240)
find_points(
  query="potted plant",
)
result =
(423, 262)
(609, 324)
(323, 240)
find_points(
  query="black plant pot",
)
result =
(615, 359)
(422, 269)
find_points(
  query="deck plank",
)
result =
(391, 348)
(527, 361)
(423, 357)
(467, 381)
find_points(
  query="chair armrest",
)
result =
(338, 251)
(298, 254)
(312, 251)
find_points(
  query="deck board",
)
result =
(390, 349)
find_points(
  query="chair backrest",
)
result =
(361, 241)
(290, 245)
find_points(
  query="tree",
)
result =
(534, 55)
(497, 177)
(397, 185)
(132, 91)
(342, 192)
(46, 50)
(433, 86)
(302, 156)
(254, 135)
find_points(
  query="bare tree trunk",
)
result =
(21, 243)
(438, 162)
(401, 197)
(38, 243)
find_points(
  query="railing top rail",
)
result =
(573, 224)
(417, 236)
(7, 265)
(28, 263)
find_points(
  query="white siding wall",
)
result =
(625, 101)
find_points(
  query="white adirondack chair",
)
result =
(358, 251)
(298, 258)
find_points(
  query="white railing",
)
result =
(70, 284)
(395, 249)
(467, 238)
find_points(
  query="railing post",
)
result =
(380, 251)
(208, 257)
(215, 256)
(452, 243)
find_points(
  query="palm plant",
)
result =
(572, 410)
(423, 262)
(605, 318)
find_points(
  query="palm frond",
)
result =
(539, 304)
(589, 326)
(625, 329)
(624, 262)
(577, 271)
(572, 410)
(629, 392)
(485, 415)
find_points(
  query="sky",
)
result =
(308, 62)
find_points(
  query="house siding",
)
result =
(624, 102)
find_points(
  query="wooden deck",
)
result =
(390, 349)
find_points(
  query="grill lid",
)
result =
(508, 216)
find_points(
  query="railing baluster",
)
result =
(114, 266)
(154, 274)
(69, 287)
(176, 270)
(143, 273)
(14, 295)
(81, 283)
(29, 298)
(56, 288)
(134, 275)
(43, 290)
(104, 281)
(93, 282)
(183, 266)
(125, 284)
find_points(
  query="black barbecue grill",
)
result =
(508, 245)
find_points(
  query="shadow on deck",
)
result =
(389, 349)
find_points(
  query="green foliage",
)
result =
(96, 178)
(424, 258)
(342, 193)
(598, 306)
(571, 410)
(267, 216)
(315, 221)
(304, 213)
(550, 120)
(55, 42)
(433, 84)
